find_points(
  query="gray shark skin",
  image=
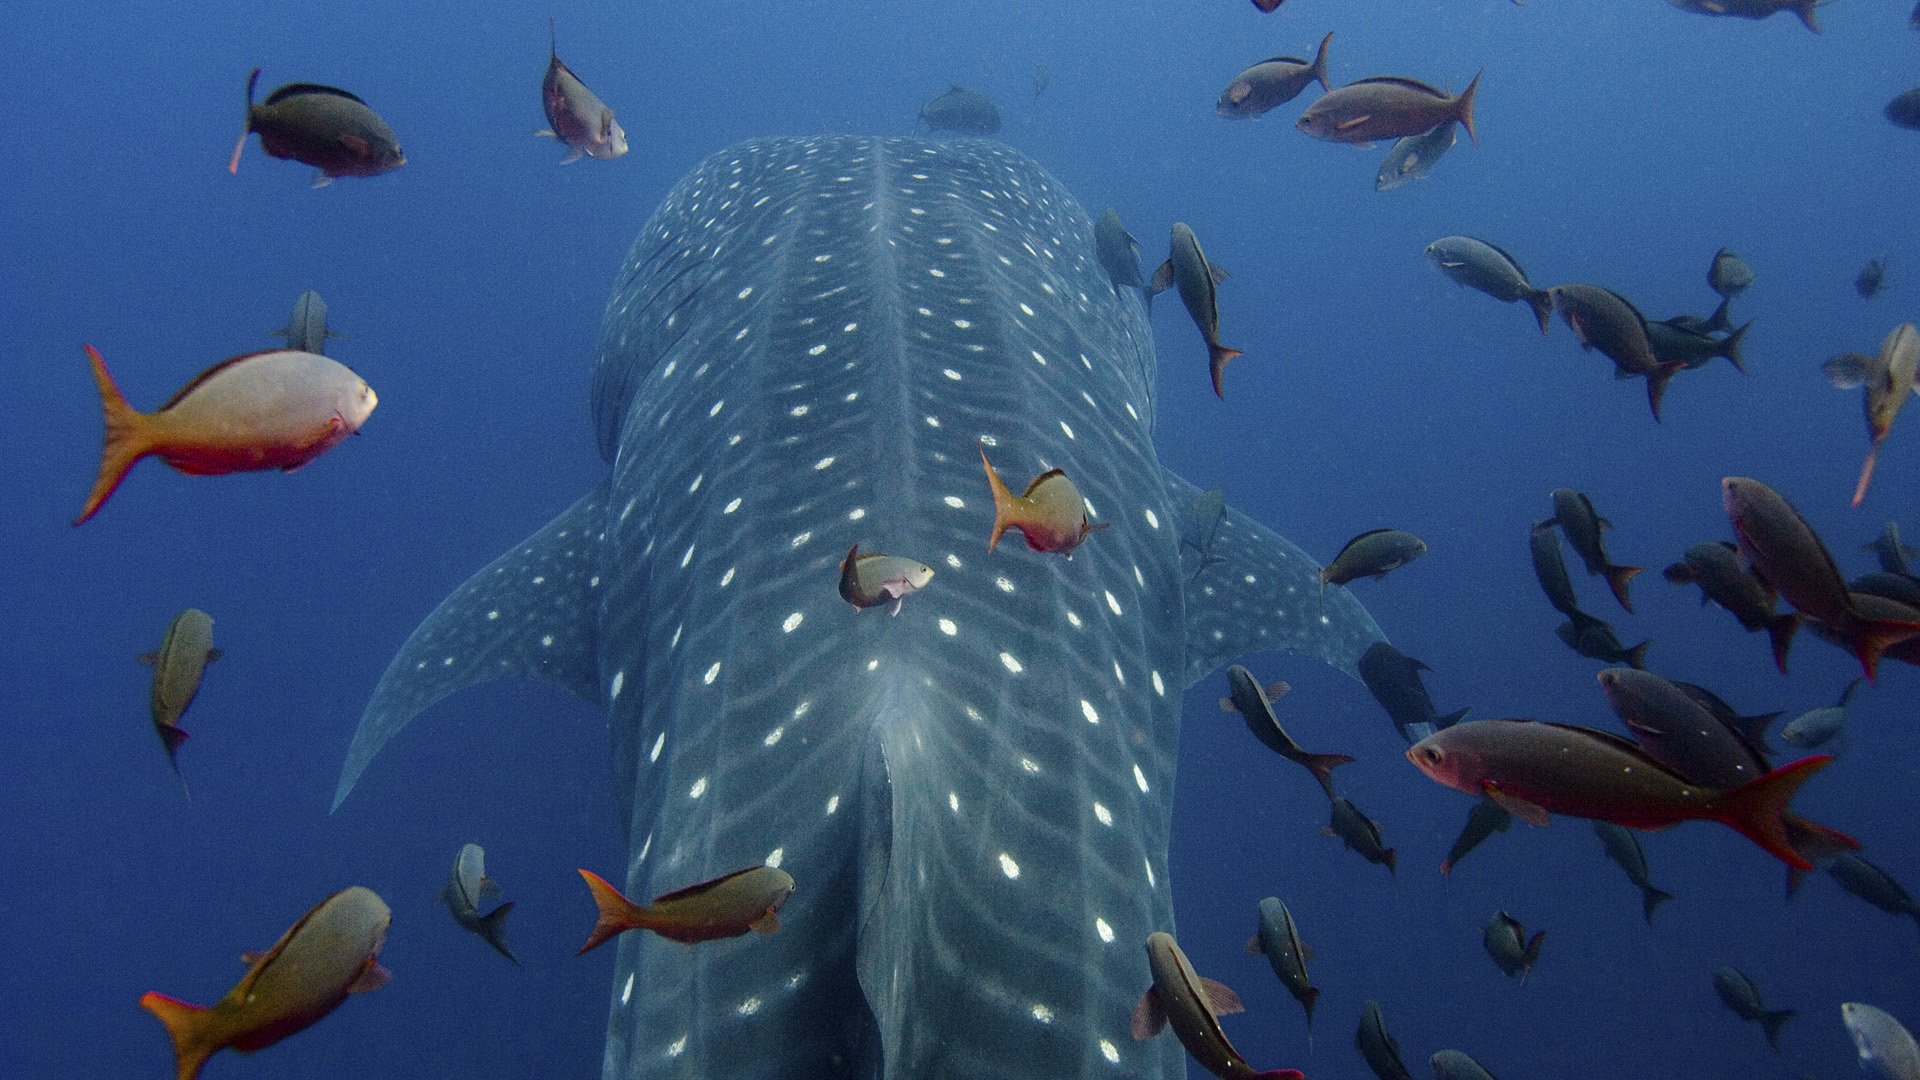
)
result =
(974, 797)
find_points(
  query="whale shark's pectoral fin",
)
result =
(529, 612)
(1258, 592)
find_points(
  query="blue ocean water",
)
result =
(1622, 143)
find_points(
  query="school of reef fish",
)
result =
(1683, 754)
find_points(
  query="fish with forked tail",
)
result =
(1188, 270)
(1181, 999)
(728, 906)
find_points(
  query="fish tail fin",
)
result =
(1466, 106)
(1390, 859)
(493, 927)
(1758, 809)
(1617, 578)
(1541, 301)
(1875, 636)
(1780, 635)
(1817, 842)
(1719, 321)
(1657, 380)
(1651, 898)
(617, 913)
(127, 438)
(1637, 656)
(1311, 996)
(1217, 357)
(1772, 1021)
(1322, 766)
(1730, 346)
(246, 126)
(1532, 954)
(1866, 473)
(1319, 69)
(1804, 9)
(187, 1025)
(1006, 509)
(553, 38)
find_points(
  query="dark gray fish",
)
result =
(1253, 704)
(1872, 884)
(1603, 319)
(178, 666)
(321, 126)
(1550, 570)
(1818, 727)
(1914, 19)
(1393, 678)
(1673, 340)
(1623, 847)
(1187, 269)
(1119, 252)
(1482, 266)
(1278, 939)
(1904, 111)
(1271, 83)
(1513, 952)
(1412, 157)
(1387, 107)
(1715, 567)
(1743, 997)
(575, 115)
(306, 329)
(1895, 557)
(1729, 275)
(1751, 729)
(1900, 588)
(1486, 818)
(1753, 9)
(1871, 278)
(1596, 640)
(1374, 554)
(1575, 515)
(1359, 832)
(1378, 1046)
(1886, 1047)
(1454, 1065)
(963, 111)
(467, 887)
(1678, 732)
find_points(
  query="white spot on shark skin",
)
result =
(824, 463)
(1065, 428)
(1087, 710)
(800, 539)
(675, 643)
(951, 374)
(1148, 863)
(698, 789)
(1035, 353)
(1105, 931)
(752, 1004)
(1029, 765)
(1140, 779)
(948, 628)
(1158, 686)
(955, 501)
(799, 411)
(953, 560)
(1005, 585)
(856, 513)
(953, 801)
(963, 324)
(850, 328)
(743, 293)
(1110, 1052)
(667, 371)
(792, 622)
(776, 856)
(677, 1047)
(1042, 1013)
(546, 642)
(614, 687)
(833, 804)
(726, 579)
(494, 614)
(659, 741)
(801, 709)
(712, 674)
(1153, 519)
(1012, 664)
(1113, 603)
(645, 846)
(731, 507)
(816, 350)
(695, 486)
(626, 992)
(688, 557)
(540, 579)
(933, 421)
(1009, 867)
(1104, 815)
(773, 737)
(1073, 619)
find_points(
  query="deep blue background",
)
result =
(1623, 141)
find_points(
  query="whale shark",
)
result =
(808, 347)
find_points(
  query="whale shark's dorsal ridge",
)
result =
(808, 340)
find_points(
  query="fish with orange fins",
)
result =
(1778, 545)
(728, 906)
(1535, 769)
(873, 579)
(329, 955)
(178, 665)
(1887, 378)
(1051, 513)
(322, 126)
(264, 410)
(1179, 998)
(1188, 270)
(578, 117)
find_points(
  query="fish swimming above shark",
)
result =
(808, 342)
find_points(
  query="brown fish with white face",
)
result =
(267, 410)
(1180, 998)
(1188, 270)
(1603, 319)
(1784, 551)
(325, 957)
(873, 579)
(1051, 513)
(1271, 83)
(728, 906)
(578, 117)
(1387, 107)
(1887, 377)
(323, 126)
(183, 656)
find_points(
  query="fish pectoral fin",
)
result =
(357, 145)
(1349, 125)
(1220, 998)
(766, 924)
(1253, 944)
(1162, 279)
(1531, 813)
(1217, 273)
(371, 977)
(1149, 1019)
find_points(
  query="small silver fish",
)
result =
(466, 888)
(1412, 157)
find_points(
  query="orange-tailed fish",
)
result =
(873, 579)
(325, 957)
(1181, 999)
(728, 906)
(265, 410)
(1051, 513)
(1887, 378)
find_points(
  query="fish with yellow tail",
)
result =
(266, 410)
(1179, 998)
(329, 955)
(1051, 513)
(728, 906)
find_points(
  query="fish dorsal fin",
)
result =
(303, 89)
(1398, 80)
(1050, 474)
(1294, 60)
(701, 887)
(530, 612)
(205, 376)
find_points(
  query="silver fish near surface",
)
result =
(914, 774)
